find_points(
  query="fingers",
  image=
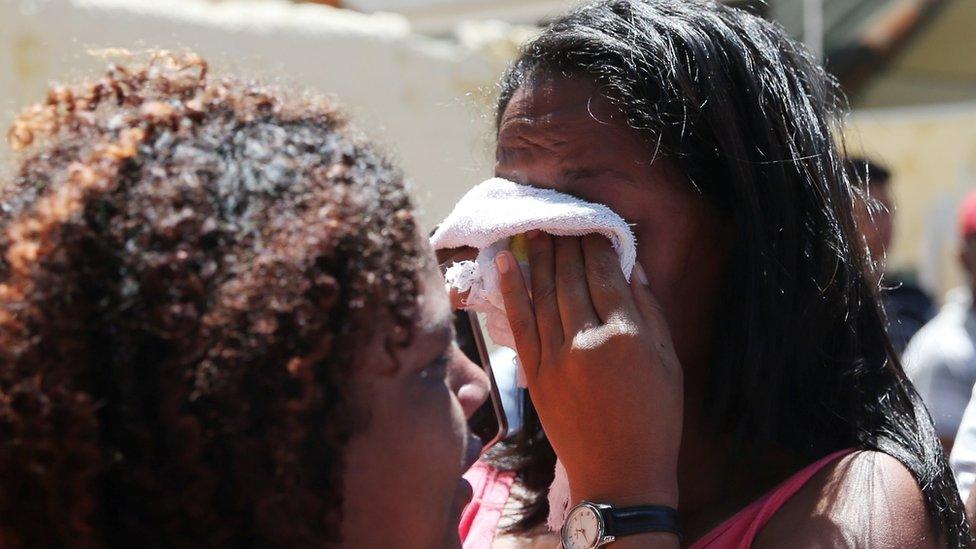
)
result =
(647, 305)
(542, 268)
(572, 291)
(609, 291)
(518, 309)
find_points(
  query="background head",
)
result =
(191, 270)
(747, 118)
(967, 236)
(874, 211)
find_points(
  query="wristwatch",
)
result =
(591, 525)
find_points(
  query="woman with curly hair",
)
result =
(219, 326)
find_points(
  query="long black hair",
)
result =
(803, 361)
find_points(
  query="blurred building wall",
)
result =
(938, 65)
(932, 153)
(429, 101)
(426, 101)
(439, 17)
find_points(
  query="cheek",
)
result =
(438, 425)
(684, 253)
(409, 458)
(673, 252)
(424, 425)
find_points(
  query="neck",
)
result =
(715, 480)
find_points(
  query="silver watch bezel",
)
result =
(601, 534)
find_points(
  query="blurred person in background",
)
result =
(220, 327)
(744, 375)
(906, 305)
(941, 358)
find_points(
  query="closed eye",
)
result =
(577, 174)
(438, 367)
(571, 174)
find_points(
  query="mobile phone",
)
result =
(489, 422)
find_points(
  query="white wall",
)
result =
(439, 17)
(426, 101)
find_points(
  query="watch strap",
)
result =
(626, 521)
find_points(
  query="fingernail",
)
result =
(503, 263)
(641, 275)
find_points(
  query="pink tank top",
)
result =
(479, 520)
(739, 531)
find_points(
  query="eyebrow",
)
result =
(578, 173)
(440, 340)
(526, 131)
(431, 340)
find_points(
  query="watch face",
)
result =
(582, 528)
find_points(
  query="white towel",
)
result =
(486, 218)
(491, 213)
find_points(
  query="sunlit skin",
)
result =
(402, 484)
(559, 133)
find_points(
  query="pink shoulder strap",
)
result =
(479, 520)
(739, 531)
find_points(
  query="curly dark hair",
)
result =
(187, 265)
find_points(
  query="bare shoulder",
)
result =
(866, 499)
(540, 538)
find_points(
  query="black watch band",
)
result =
(627, 521)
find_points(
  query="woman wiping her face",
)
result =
(745, 379)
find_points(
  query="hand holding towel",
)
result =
(490, 214)
(487, 218)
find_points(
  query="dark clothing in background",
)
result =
(908, 308)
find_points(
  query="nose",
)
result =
(468, 382)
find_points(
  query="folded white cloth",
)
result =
(486, 218)
(491, 213)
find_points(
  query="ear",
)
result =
(376, 350)
(964, 260)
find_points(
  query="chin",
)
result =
(451, 540)
(460, 499)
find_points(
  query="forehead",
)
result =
(433, 302)
(543, 97)
(554, 103)
(431, 329)
(566, 116)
